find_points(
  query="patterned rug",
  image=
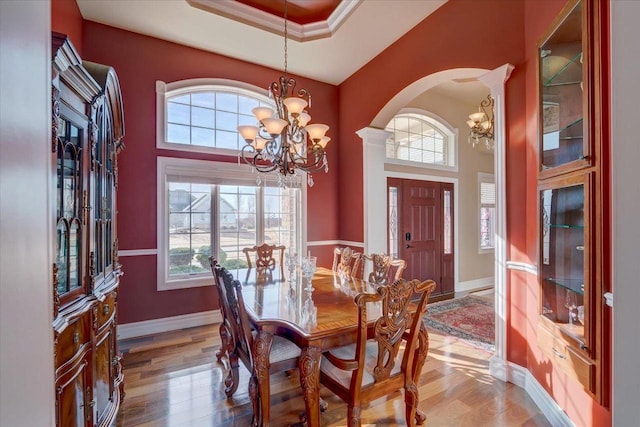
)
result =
(472, 319)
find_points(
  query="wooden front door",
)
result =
(421, 231)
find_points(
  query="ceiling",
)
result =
(328, 40)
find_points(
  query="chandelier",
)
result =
(284, 140)
(481, 124)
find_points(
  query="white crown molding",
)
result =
(166, 324)
(275, 24)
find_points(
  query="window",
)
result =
(217, 208)
(203, 114)
(419, 138)
(487, 198)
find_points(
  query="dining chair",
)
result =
(391, 359)
(346, 261)
(238, 337)
(381, 269)
(265, 255)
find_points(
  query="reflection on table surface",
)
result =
(275, 297)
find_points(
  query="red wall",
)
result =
(582, 410)
(66, 19)
(458, 35)
(461, 35)
(139, 61)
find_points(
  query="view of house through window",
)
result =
(226, 218)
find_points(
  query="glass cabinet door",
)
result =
(564, 263)
(70, 202)
(564, 142)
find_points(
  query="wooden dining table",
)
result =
(326, 317)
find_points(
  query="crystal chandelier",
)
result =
(284, 140)
(481, 124)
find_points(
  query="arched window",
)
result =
(204, 114)
(421, 139)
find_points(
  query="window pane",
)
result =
(448, 226)
(203, 99)
(204, 137)
(177, 113)
(202, 117)
(226, 121)
(227, 102)
(182, 99)
(426, 144)
(178, 134)
(393, 221)
(247, 104)
(226, 139)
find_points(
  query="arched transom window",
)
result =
(421, 139)
(205, 117)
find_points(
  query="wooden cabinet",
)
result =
(571, 187)
(87, 132)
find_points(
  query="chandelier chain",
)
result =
(285, 39)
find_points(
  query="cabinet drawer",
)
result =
(567, 358)
(73, 338)
(106, 309)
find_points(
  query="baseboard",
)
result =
(166, 324)
(472, 285)
(523, 378)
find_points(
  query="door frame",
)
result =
(426, 178)
(374, 183)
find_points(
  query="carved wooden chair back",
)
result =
(393, 356)
(239, 343)
(346, 261)
(265, 255)
(381, 269)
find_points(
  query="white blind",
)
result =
(487, 193)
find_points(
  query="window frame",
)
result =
(440, 125)
(218, 173)
(164, 91)
(486, 178)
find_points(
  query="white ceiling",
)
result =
(370, 28)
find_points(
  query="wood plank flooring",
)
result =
(174, 380)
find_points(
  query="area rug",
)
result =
(472, 319)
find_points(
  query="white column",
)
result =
(496, 80)
(374, 188)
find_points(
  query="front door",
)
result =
(421, 231)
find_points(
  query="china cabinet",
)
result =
(87, 132)
(571, 201)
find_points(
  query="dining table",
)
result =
(280, 302)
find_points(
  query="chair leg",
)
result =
(421, 417)
(411, 404)
(231, 381)
(225, 342)
(354, 413)
(254, 394)
(262, 349)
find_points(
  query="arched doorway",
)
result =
(374, 182)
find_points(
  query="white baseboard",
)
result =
(472, 285)
(516, 374)
(166, 324)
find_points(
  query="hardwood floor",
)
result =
(174, 380)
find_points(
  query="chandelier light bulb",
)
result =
(316, 131)
(248, 132)
(324, 141)
(259, 143)
(262, 113)
(274, 126)
(303, 119)
(294, 105)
